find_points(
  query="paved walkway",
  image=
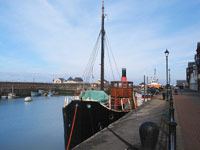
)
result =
(188, 111)
(124, 134)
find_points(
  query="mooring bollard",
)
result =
(149, 132)
(163, 95)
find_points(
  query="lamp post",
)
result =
(169, 78)
(167, 54)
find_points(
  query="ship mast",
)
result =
(102, 47)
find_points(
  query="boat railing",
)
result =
(68, 99)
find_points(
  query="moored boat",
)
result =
(95, 110)
(154, 82)
(27, 99)
(11, 95)
(34, 93)
(50, 94)
(4, 97)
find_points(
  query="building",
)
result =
(181, 82)
(189, 71)
(59, 80)
(193, 71)
(97, 83)
(78, 79)
(69, 80)
(198, 65)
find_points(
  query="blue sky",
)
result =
(45, 39)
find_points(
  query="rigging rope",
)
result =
(88, 72)
(109, 59)
(93, 62)
(89, 68)
(113, 57)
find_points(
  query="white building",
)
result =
(59, 80)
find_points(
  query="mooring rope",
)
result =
(72, 128)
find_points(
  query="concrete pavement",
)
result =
(124, 133)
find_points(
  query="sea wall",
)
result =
(25, 88)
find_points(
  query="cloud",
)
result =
(62, 35)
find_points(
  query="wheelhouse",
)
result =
(121, 93)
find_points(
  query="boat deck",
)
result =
(124, 133)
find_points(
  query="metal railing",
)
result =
(172, 124)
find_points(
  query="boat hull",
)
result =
(90, 117)
(34, 93)
(27, 99)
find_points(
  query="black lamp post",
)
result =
(167, 54)
(169, 78)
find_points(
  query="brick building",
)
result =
(193, 71)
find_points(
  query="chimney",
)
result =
(124, 74)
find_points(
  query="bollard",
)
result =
(163, 95)
(172, 135)
(149, 132)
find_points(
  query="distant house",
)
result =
(59, 80)
(78, 79)
(69, 80)
(97, 83)
(181, 82)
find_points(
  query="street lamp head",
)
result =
(166, 53)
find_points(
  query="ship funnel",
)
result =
(124, 74)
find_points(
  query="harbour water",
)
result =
(37, 125)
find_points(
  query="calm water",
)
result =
(37, 125)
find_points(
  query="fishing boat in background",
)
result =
(12, 94)
(34, 94)
(154, 82)
(94, 110)
(50, 94)
(27, 99)
(4, 97)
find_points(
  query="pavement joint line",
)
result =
(154, 116)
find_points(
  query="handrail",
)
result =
(172, 124)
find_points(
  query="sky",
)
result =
(45, 39)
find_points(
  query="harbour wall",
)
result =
(24, 88)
